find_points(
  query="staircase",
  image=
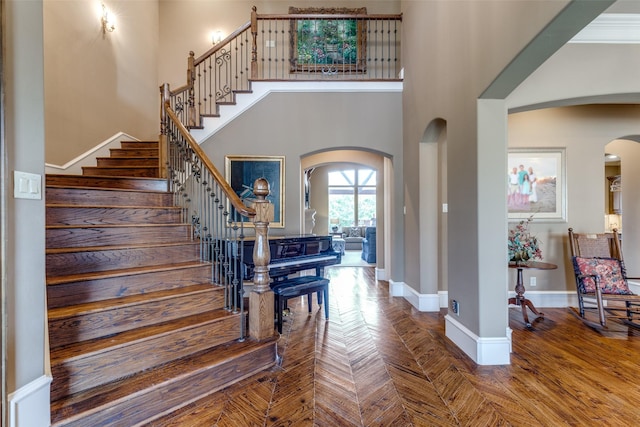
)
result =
(136, 328)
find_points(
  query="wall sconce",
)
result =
(107, 20)
(216, 37)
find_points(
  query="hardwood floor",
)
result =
(379, 362)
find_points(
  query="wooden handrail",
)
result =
(222, 43)
(224, 185)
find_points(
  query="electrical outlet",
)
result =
(455, 307)
(532, 281)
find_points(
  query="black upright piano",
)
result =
(288, 255)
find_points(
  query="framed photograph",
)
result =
(242, 171)
(328, 45)
(536, 184)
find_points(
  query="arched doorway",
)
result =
(433, 214)
(322, 163)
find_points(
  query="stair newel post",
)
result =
(191, 78)
(163, 148)
(261, 311)
(254, 42)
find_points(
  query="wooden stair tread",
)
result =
(67, 205)
(118, 226)
(122, 272)
(106, 189)
(117, 247)
(109, 177)
(116, 157)
(159, 380)
(95, 307)
(118, 167)
(83, 348)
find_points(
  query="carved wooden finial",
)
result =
(261, 188)
(264, 209)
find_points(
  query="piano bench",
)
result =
(298, 286)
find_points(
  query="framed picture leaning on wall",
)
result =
(242, 170)
(536, 184)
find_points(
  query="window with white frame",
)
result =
(352, 197)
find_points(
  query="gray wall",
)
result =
(24, 300)
(296, 125)
(452, 51)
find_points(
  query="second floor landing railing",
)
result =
(312, 44)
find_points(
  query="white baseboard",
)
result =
(381, 274)
(483, 351)
(550, 299)
(444, 299)
(29, 406)
(88, 158)
(422, 302)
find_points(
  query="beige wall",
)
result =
(177, 39)
(98, 85)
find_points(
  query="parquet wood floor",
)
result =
(379, 362)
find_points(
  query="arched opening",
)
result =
(433, 213)
(315, 169)
(626, 212)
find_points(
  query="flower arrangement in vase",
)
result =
(523, 246)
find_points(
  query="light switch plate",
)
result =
(27, 185)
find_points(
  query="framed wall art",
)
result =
(328, 45)
(241, 172)
(536, 184)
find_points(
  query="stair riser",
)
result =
(117, 236)
(127, 162)
(62, 264)
(98, 197)
(110, 216)
(133, 152)
(139, 144)
(82, 373)
(85, 291)
(131, 183)
(72, 329)
(139, 172)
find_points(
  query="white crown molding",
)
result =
(611, 28)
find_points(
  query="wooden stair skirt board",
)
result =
(136, 327)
